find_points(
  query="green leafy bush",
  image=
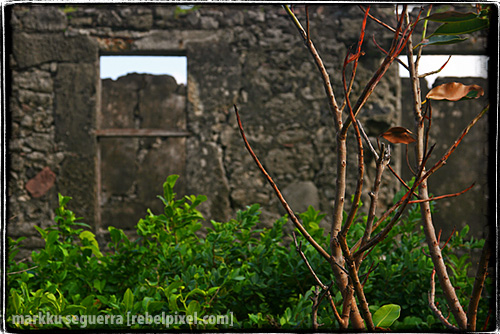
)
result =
(241, 273)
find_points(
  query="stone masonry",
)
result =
(248, 55)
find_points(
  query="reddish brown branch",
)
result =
(445, 157)
(482, 271)
(400, 179)
(359, 185)
(435, 198)
(377, 20)
(449, 238)
(285, 205)
(354, 57)
(396, 47)
(385, 52)
(434, 72)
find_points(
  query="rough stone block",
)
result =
(45, 18)
(75, 106)
(35, 49)
(300, 195)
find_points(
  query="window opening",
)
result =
(141, 135)
(458, 66)
(113, 67)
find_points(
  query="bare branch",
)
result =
(343, 323)
(430, 234)
(337, 114)
(359, 185)
(358, 288)
(377, 20)
(435, 198)
(482, 271)
(285, 205)
(21, 271)
(436, 71)
(367, 140)
(445, 157)
(381, 163)
(433, 306)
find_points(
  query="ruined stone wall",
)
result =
(248, 55)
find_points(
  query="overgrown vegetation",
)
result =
(238, 270)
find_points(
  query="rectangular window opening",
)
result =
(141, 135)
(115, 66)
(458, 66)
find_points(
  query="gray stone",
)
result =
(36, 80)
(40, 142)
(75, 113)
(301, 195)
(34, 99)
(52, 47)
(45, 18)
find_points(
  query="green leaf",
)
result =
(442, 40)
(94, 246)
(42, 232)
(63, 200)
(451, 16)
(115, 234)
(464, 231)
(52, 237)
(464, 27)
(168, 187)
(128, 299)
(16, 301)
(193, 307)
(386, 315)
(154, 306)
(195, 291)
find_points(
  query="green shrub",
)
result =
(238, 270)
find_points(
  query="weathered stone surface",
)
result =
(301, 195)
(166, 158)
(118, 165)
(44, 18)
(160, 105)
(77, 179)
(119, 102)
(52, 47)
(34, 80)
(41, 183)
(75, 104)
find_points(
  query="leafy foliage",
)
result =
(236, 268)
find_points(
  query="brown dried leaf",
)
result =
(398, 135)
(455, 91)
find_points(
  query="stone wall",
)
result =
(248, 55)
